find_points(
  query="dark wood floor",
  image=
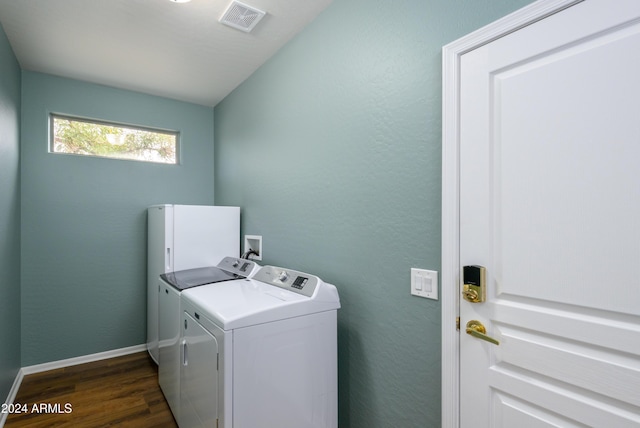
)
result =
(121, 392)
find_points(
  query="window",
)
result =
(111, 140)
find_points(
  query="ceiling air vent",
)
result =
(241, 16)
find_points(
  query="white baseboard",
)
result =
(39, 368)
(12, 395)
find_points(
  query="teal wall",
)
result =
(333, 151)
(9, 216)
(84, 218)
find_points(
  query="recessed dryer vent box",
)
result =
(253, 242)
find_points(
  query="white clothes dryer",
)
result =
(170, 286)
(260, 352)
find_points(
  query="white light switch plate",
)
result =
(424, 283)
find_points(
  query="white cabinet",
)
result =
(168, 345)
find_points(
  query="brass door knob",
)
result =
(476, 329)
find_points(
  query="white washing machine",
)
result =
(171, 285)
(260, 352)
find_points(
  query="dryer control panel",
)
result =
(297, 282)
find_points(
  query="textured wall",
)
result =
(84, 218)
(333, 150)
(9, 216)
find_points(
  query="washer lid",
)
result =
(229, 268)
(247, 302)
(184, 279)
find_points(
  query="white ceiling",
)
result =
(174, 50)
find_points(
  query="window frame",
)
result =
(51, 142)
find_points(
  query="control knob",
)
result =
(283, 276)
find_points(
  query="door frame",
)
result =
(450, 280)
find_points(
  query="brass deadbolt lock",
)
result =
(474, 284)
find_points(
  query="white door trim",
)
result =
(451, 54)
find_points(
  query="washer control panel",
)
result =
(240, 267)
(297, 282)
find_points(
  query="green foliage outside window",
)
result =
(82, 137)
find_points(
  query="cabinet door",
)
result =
(198, 375)
(204, 235)
(169, 345)
(159, 261)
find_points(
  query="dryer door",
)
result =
(198, 376)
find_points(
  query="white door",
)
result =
(550, 206)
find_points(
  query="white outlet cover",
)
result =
(424, 283)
